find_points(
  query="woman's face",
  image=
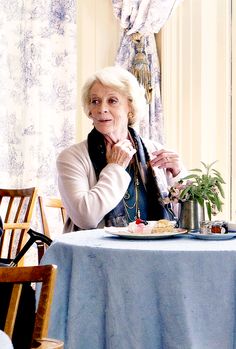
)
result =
(109, 110)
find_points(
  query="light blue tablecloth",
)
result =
(115, 293)
(5, 341)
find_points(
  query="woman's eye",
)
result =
(113, 100)
(94, 101)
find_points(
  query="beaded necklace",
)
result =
(135, 205)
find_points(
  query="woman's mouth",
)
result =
(104, 120)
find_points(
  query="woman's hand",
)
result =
(120, 153)
(167, 159)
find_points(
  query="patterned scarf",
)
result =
(117, 216)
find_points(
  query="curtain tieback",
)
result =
(140, 67)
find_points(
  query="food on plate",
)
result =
(163, 225)
(214, 227)
(151, 227)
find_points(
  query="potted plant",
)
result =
(203, 186)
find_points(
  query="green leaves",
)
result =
(205, 186)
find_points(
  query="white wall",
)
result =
(196, 77)
(233, 126)
(98, 38)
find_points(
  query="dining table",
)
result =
(5, 341)
(113, 292)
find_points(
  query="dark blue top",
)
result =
(142, 194)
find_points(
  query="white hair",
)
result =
(124, 82)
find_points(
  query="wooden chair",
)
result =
(46, 203)
(44, 274)
(16, 207)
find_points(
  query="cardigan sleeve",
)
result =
(86, 199)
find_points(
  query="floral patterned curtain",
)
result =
(145, 17)
(38, 90)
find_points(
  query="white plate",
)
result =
(124, 233)
(213, 236)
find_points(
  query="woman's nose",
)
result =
(103, 107)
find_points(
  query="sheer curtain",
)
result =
(38, 89)
(145, 17)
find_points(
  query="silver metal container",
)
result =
(191, 214)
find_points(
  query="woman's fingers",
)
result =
(167, 159)
(120, 153)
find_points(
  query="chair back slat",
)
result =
(47, 203)
(12, 310)
(18, 205)
(9, 208)
(11, 242)
(19, 210)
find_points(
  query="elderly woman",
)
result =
(114, 176)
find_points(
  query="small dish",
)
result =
(213, 236)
